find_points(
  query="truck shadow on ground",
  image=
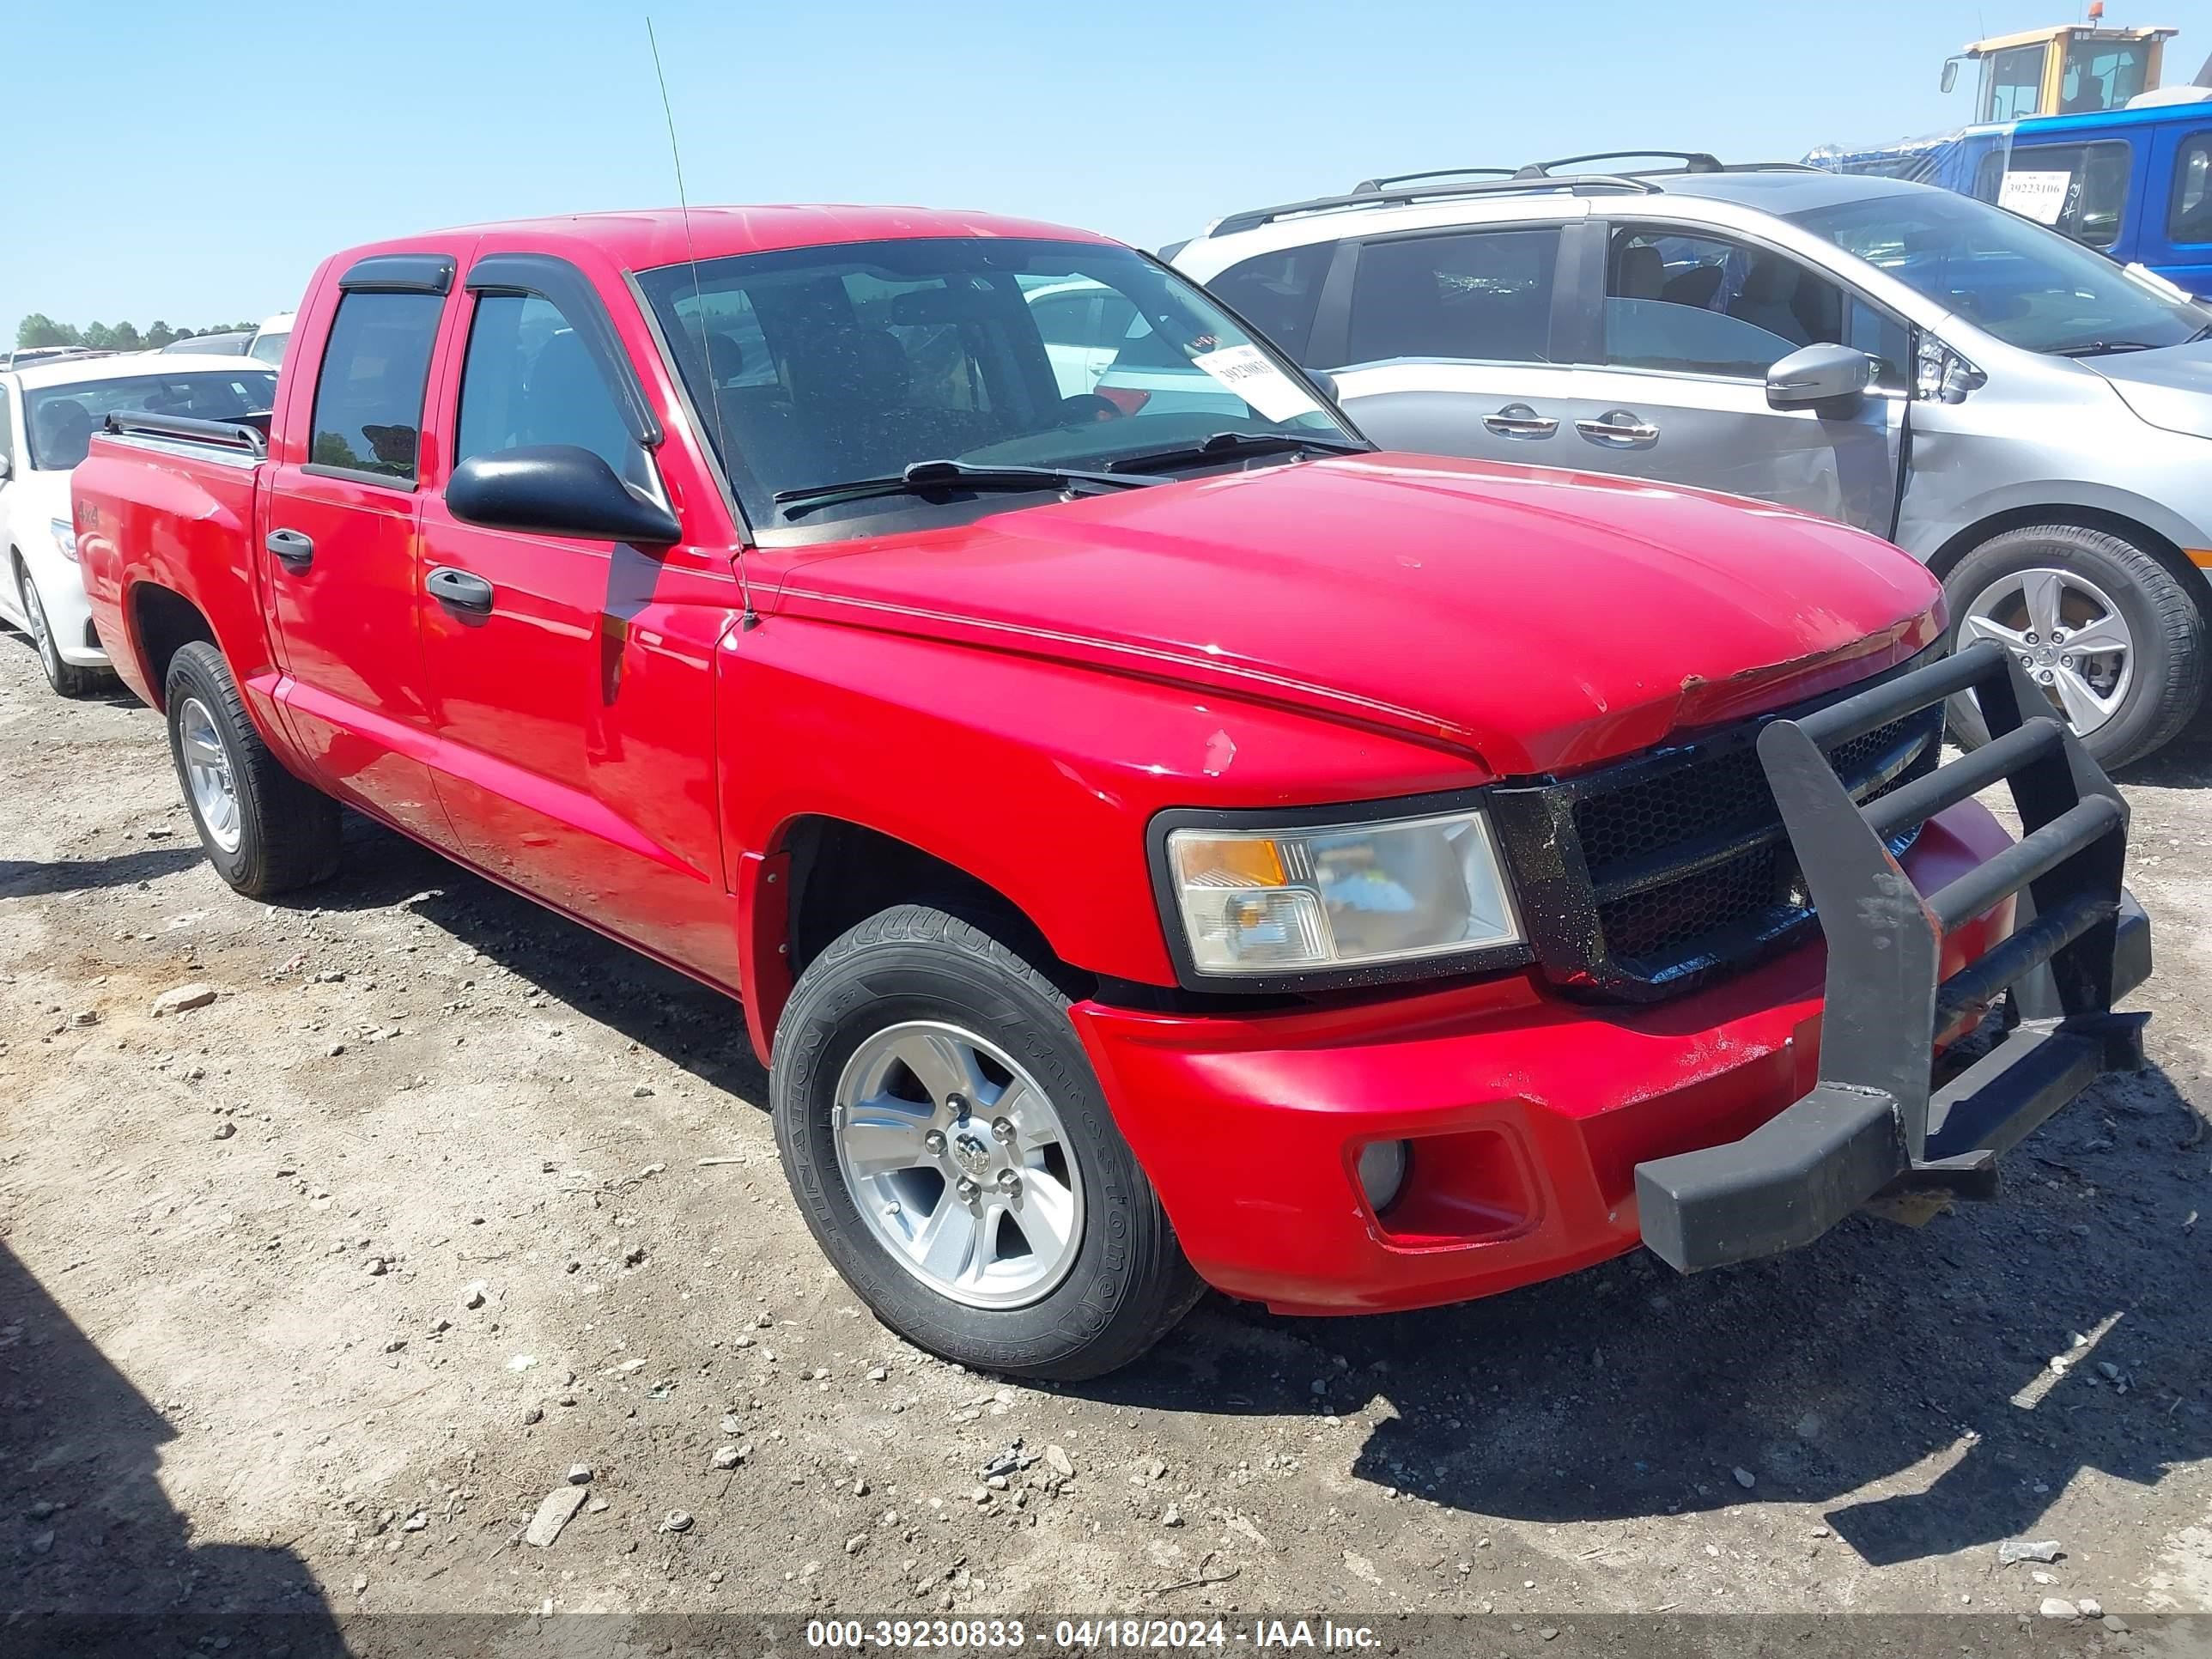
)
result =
(23, 877)
(1899, 1378)
(94, 1559)
(698, 1029)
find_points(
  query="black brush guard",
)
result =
(1876, 1122)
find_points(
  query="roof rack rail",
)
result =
(1253, 218)
(1433, 173)
(1692, 161)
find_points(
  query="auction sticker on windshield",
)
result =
(1246, 371)
(2037, 196)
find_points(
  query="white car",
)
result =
(1099, 347)
(48, 413)
(268, 342)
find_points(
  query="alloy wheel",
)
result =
(207, 771)
(2067, 633)
(958, 1163)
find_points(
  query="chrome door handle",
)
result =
(460, 589)
(1519, 421)
(1618, 426)
(293, 551)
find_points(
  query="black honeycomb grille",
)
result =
(1689, 867)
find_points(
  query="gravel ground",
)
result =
(317, 1294)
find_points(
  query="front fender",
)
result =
(1035, 778)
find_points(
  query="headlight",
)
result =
(1349, 896)
(65, 537)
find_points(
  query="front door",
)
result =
(1676, 390)
(338, 551)
(573, 680)
(1446, 346)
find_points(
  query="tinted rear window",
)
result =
(368, 400)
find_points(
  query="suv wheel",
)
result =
(954, 1155)
(265, 831)
(67, 679)
(2108, 632)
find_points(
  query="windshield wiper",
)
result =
(943, 477)
(1225, 446)
(2099, 347)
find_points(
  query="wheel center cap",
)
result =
(971, 1153)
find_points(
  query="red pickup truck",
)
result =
(1157, 839)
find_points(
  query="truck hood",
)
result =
(1537, 619)
(2171, 387)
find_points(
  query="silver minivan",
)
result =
(2030, 418)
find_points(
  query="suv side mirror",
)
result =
(1813, 376)
(556, 489)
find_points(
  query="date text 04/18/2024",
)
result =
(893, 1635)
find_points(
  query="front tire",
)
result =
(67, 679)
(925, 1070)
(2103, 625)
(264, 830)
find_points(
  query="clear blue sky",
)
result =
(192, 162)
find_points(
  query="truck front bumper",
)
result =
(1546, 1134)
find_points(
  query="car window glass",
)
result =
(1482, 295)
(530, 380)
(1277, 293)
(61, 419)
(2190, 217)
(2101, 74)
(2078, 190)
(368, 398)
(1701, 304)
(7, 436)
(2014, 82)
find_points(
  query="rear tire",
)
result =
(2163, 620)
(264, 830)
(67, 679)
(1023, 1306)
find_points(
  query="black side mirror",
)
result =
(1327, 382)
(556, 489)
(1831, 378)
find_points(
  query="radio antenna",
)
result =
(751, 619)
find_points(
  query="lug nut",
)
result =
(2066, 662)
(958, 1105)
(934, 1141)
(1009, 1181)
(2046, 675)
(968, 1190)
(1003, 1129)
(2032, 639)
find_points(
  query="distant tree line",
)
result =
(40, 330)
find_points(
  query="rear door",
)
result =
(1452, 341)
(573, 679)
(1673, 386)
(337, 553)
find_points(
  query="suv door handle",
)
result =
(1618, 427)
(460, 589)
(1519, 421)
(293, 551)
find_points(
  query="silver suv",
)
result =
(2023, 414)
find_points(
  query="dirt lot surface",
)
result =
(314, 1294)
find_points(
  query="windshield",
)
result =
(62, 419)
(2030, 286)
(823, 365)
(268, 345)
